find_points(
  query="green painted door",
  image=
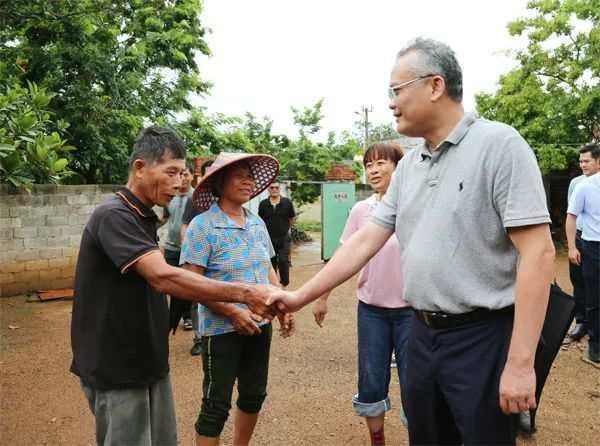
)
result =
(336, 201)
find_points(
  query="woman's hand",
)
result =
(320, 311)
(287, 324)
(245, 321)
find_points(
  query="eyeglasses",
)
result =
(273, 187)
(395, 90)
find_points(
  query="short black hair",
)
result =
(154, 142)
(591, 148)
(205, 165)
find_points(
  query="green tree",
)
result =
(30, 152)
(553, 96)
(115, 65)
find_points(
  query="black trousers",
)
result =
(226, 358)
(453, 378)
(179, 308)
(590, 261)
(281, 262)
(576, 276)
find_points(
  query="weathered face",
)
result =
(589, 165)
(238, 184)
(160, 182)
(379, 174)
(274, 190)
(411, 102)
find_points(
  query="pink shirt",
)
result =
(380, 281)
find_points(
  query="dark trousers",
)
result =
(172, 258)
(576, 275)
(226, 358)
(281, 261)
(590, 261)
(452, 387)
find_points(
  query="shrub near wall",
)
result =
(40, 234)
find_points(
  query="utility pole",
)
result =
(364, 116)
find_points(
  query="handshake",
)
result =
(269, 301)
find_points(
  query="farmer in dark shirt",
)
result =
(278, 214)
(119, 327)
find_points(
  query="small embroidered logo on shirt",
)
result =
(460, 186)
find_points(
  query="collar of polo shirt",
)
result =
(455, 136)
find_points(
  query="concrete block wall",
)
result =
(40, 234)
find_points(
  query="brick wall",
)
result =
(40, 234)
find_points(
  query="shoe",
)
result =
(196, 349)
(592, 356)
(187, 325)
(578, 332)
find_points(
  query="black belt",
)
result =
(439, 320)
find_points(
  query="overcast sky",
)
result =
(269, 55)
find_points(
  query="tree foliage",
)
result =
(30, 152)
(553, 96)
(112, 64)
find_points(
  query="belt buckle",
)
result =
(431, 317)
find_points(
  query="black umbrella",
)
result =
(559, 316)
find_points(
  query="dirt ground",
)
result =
(312, 380)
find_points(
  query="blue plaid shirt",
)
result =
(228, 252)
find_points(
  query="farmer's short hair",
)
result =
(387, 150)
(436, 58)
(154, 142)
(591, 148)
(205, 165)
(217, 182)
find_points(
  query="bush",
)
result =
(308, 226)
(31, 148)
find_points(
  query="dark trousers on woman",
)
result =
(590, 261)
(281, 261)
(226, 358)
(452, 386)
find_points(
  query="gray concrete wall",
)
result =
(40, 234)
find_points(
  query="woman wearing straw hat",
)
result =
(227, 242)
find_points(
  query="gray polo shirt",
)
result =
(450, 210)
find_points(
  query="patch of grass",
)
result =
(308, 226)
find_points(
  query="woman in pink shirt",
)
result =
(383, 316)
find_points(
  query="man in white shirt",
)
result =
(589, 162)
(585, 205)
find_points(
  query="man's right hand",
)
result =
(320, 311)
(245, 321)
(574, 256)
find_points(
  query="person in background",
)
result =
(188, 215)
(383, 315)
(120, 318)
(585, 205)
(589, 162)
(227, 242)
(278, 214)
(172, 215)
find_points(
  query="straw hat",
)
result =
(264, 169)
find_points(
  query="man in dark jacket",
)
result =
(278, 214)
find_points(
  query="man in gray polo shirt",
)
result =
(469, 211)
